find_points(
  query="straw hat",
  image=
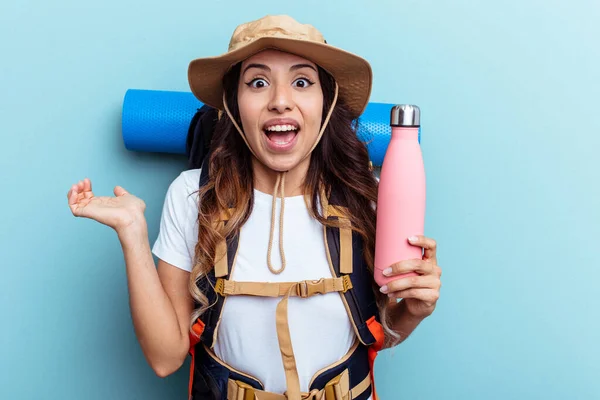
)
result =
(352, 73)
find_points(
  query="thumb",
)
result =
(119, 191)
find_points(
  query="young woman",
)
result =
(266, 252)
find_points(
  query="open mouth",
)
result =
(281, 135)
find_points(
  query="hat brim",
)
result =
(352, 73)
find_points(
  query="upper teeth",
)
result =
(280, 128)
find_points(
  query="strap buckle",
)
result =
(309, 288)
(245, 391)
(303, 289)
(347, 283)
(220, 286)
(332, 389)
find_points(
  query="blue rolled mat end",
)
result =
(157, 121)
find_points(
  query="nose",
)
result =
(281, 99)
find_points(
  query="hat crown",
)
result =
(351, 73)
(276, 26)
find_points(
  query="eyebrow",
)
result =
(266, 68)
(300, 66)
(259, 66)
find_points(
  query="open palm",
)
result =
(116, 212)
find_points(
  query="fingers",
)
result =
(77, 188)
(413, 265)
(72, 195)
(428, 296)
(428, 244)
(79, 191)
(412, 282)
(87, 187)
(74, 200)
(81, 186)
(119, 191)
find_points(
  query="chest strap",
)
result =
(302, 289)
(337, 389)
(279, 289)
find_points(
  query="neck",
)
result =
(265, 178)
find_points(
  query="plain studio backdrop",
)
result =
(509, 96)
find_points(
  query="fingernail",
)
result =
(413, 238)
(387, 271)
(383, 289)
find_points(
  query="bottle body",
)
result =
(401, 202)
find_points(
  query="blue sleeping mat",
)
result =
(158, 121)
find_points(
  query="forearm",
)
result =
(403, 322)
(154, 318)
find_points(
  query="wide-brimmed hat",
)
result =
(352, 73)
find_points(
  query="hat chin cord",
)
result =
(280, 182)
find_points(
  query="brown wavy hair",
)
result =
(339, 162)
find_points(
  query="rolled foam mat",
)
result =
(158, 121)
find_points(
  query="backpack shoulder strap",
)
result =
(346, 253)
(225, 256)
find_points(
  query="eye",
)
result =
(257, 83)
(302, 82)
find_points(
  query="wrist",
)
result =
(400, 311)
(136, 228)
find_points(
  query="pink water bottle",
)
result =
(401, 197)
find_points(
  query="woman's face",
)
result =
(280, 102)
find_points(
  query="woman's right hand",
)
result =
(118, 212)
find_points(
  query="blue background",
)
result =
(509, 94)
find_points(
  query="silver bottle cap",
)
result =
(405, 115)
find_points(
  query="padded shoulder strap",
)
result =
(207, 285)
(361, 298)
(225, 257)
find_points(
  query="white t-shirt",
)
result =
(320, 329)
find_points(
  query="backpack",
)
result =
(350, 378)
(202, 126)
